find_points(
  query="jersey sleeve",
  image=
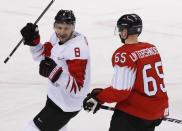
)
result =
(40, 51)
(43, 50)
(123, 79)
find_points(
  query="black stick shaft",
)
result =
(164, 119)
(172, 120)
(107, 108)
(44, 12)
(19, 43)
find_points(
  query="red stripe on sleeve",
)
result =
(47, 49)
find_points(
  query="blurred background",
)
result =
(23, 91)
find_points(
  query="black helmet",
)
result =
(65, 16)
(132, 22)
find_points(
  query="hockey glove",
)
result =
(30, 34)
(91, 103)
(48, 68)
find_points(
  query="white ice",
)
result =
(23, 91)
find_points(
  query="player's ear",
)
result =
(124, 33)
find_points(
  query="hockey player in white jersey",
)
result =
(65, 62)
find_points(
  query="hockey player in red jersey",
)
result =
(65, 61)
(138, 82)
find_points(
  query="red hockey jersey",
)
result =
(138, 82)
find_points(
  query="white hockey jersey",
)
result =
(73, 56)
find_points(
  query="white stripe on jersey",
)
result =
(124, 78)
(37, 52)
(70, 82)
(76, 83)
(53, 72)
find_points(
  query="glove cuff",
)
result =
(36, 41)
(55, 73)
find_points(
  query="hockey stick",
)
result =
(172, 120)
(164, 119)
(19, 43)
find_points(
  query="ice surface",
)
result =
(23, 91)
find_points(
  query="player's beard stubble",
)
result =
(64, 37)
